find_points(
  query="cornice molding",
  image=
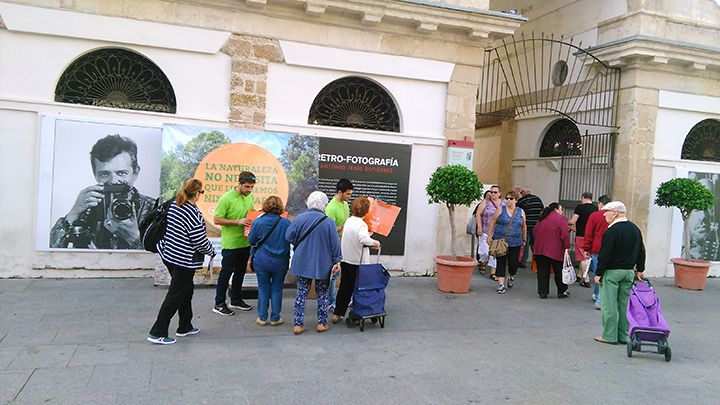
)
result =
(654, 51)
(467, 26)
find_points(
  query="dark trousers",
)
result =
(544, 264)
(347, 286)
(526, 249)
(509, 261)
(234, 263)
(178, 299)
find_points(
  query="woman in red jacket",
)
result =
(552, 238)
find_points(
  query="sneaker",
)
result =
(594, 297)
(500, 289)
(241, 305)
(510, 282)
(161, 340)
(222, 309)
(193, 331)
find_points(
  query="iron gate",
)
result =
(591, 170)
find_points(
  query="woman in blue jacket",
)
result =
(316, 255)
(270, 258)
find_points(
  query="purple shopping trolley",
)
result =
(647, 324)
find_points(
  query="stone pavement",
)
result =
(83, 341)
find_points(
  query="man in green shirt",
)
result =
(339, 210)
(231, 214)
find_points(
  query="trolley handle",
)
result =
(645, 279)
(362, 252)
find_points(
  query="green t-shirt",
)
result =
(338, 211)
(233, 205)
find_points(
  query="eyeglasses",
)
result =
(201, 191)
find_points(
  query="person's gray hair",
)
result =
(317, 200)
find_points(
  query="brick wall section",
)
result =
(248, 83)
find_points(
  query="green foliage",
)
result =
(454, 185)
(300, 160)
(181, 162)
(686, 194)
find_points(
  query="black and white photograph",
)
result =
(105, 181)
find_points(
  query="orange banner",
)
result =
(381, 217)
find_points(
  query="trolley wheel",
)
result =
(374, 320)
(668, 353)
(630, 347)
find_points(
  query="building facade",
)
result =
(255, 65)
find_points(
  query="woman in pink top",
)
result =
(552, 239)
(483, 215)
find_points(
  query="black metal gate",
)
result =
(591, 170)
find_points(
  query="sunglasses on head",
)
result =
(247, 179)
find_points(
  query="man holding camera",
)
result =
(106, 215)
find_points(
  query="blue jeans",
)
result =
(593, 267)
(270, 288)
(234, 263)
(332, 294)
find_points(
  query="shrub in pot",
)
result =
(687, 195)
(453, 186)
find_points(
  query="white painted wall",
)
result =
(421, 103)
(677, 114)
(30, 65)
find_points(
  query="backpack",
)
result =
(152, 228)
(471, 227)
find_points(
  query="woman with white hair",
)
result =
(316, 256)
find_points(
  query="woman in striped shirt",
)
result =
(182, 250)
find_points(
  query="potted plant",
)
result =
(454, 185)
(687, 195)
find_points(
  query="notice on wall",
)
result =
(460, 153)
(377, 170)
(381, 216)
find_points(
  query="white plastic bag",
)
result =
(568, 272)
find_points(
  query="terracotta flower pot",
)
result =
(454, 275)
(690, 275)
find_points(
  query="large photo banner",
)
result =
(290, 166)
(377, 170)
(98, 180)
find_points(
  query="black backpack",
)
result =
(152, 228)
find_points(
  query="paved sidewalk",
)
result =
(83, 341)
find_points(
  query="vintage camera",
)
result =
(116, 203)
(116, 200)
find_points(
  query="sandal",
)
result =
(493, 277)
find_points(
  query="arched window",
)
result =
(355, 102)
(117, 78)
(561, 139)
(703, 142)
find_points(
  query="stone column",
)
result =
(637, 117)
(250, 58)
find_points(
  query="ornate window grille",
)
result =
(355, 102)
(117, 78)
(561, 139)
(703, 142)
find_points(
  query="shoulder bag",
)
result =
(499, 247)
(256, 247)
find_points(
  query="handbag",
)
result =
(499, 247)
(568, 270)
(256, 247)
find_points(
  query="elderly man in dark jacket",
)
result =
(622, 254)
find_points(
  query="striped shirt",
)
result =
(185, 241)
(533, 206)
